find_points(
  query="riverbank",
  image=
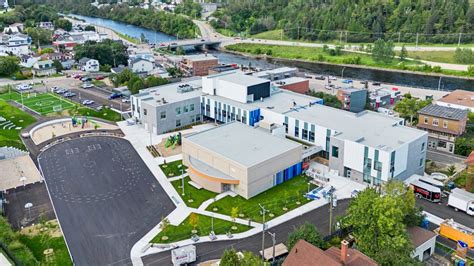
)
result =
(346, 59)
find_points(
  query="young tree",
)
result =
(234, 212)
(165, 223)
(378, 50)
(403, 53)
(307, 232)
(250, 259)
(230, 258)
(193, 220)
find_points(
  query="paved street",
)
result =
(443, 211)
(213, 250)
(104, 196)
(444, 158)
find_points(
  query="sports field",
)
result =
(43, 103)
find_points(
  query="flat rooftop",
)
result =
(459, 97)
(276, 71)
(200, 57)
(369, 128)
(290, 80)
(240, 78)
(282, 101)
(242, 144)
(171, 92)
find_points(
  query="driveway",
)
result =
(104, 196)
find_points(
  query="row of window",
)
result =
(194, 118)
(184, 109)
(436, 122)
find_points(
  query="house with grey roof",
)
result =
(444, 124)
(43, 68)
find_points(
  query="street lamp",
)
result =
(439, 83)
(273, 246)
(342, 72)
(308, 186)
(23, 179)
(28, 206)
(182, 178)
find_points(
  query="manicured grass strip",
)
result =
(12, 240)
(41, 103)
(183, 231)
(39, 243)
(171, 169)
(274, 200)
(11, 137)
(197, 196)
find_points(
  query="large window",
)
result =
(445, 124)
(378, 166)
(435, 121)
(311, 136)
(426, 120)
(178, 110)
(163, 115)
(304, 133)
(297, 132)
(335, 152)
(144, 111)
(178, 122)
(185, 109)
(191, 107)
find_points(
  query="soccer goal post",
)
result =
(31, 95)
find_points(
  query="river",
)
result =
(392, 77)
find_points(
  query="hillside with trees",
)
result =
(439, 21)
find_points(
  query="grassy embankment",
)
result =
(10, 136)
(317, 54)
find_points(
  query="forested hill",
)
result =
(361, 20)
(152, 19)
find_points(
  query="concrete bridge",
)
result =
(198, 44)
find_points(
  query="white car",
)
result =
(125, 100)
(23, 87)
(87, 102)
(332, 78)
(87, 86)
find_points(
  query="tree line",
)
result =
(157, 20)
(353, 20)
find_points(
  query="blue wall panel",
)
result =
(254, 117)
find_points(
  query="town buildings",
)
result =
(89, 65)
(424, 242)
(43, 68)
(384, 97)
(195, 65)
(352, 99)
(16, 44)
(460, 99)
(141, 65)
(366, 146)
(443, 124)
(295, 84)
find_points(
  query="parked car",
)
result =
(69, 94)
(376, 83)
(87, 102)
(328, 87)
(87, 86)
(115, 96)
(77, 76)
(23, 87)
(364, 82)
(347, 81)
(320, 77)
(99, 108)
(99, 78)
(125, 100)
(60, 91)
(332, 78)
(85, 79)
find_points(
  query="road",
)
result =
(443, 211)
(213, 250)
(444, 158)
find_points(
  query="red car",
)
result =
(99, 78)
(77, 76)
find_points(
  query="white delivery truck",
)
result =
(183, 255)
(462, 200)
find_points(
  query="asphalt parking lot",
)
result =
(105, 197)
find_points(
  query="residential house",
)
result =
(424, 242)
(43, 68)
(14, 28)
(16, 44)
(195, 65)
(68, 64)
(47, 25)
(277, 73)
(295, 84)
(27, 61)
(89, 65)
(305, 254)
(460, 99)
(4, 4)
(384, 97)
(352, 99)
(443, 124)
(141, 65)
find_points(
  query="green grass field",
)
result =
(43, 104)
(183, 231)
(274, 200)
(197, 196)
(171, 169)
(14, 118)
(37, 244)
(438, 56)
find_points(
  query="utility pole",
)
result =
(330, 213)
(459, 40)
(273, 247)
(263, 231)
(416, 40)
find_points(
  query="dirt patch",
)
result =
(50, 227)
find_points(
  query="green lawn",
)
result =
(105, 113)
(460, 181)
(13, 242)
(198, 196)
(9, 135)
(171, 169)
(271, 35)
(438, 56)
(317, 54)
(43, 104)
(274, 200)
(37, 244)
(183, 231)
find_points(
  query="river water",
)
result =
(399, 78)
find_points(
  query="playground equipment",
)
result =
(173, 140)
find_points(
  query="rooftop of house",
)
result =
(444, 112)
(419, 236)
(138, 59)
(459, 97)
(242, 144)
(290, 80)
(200, 57)
(276, 71)
(303, 253)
